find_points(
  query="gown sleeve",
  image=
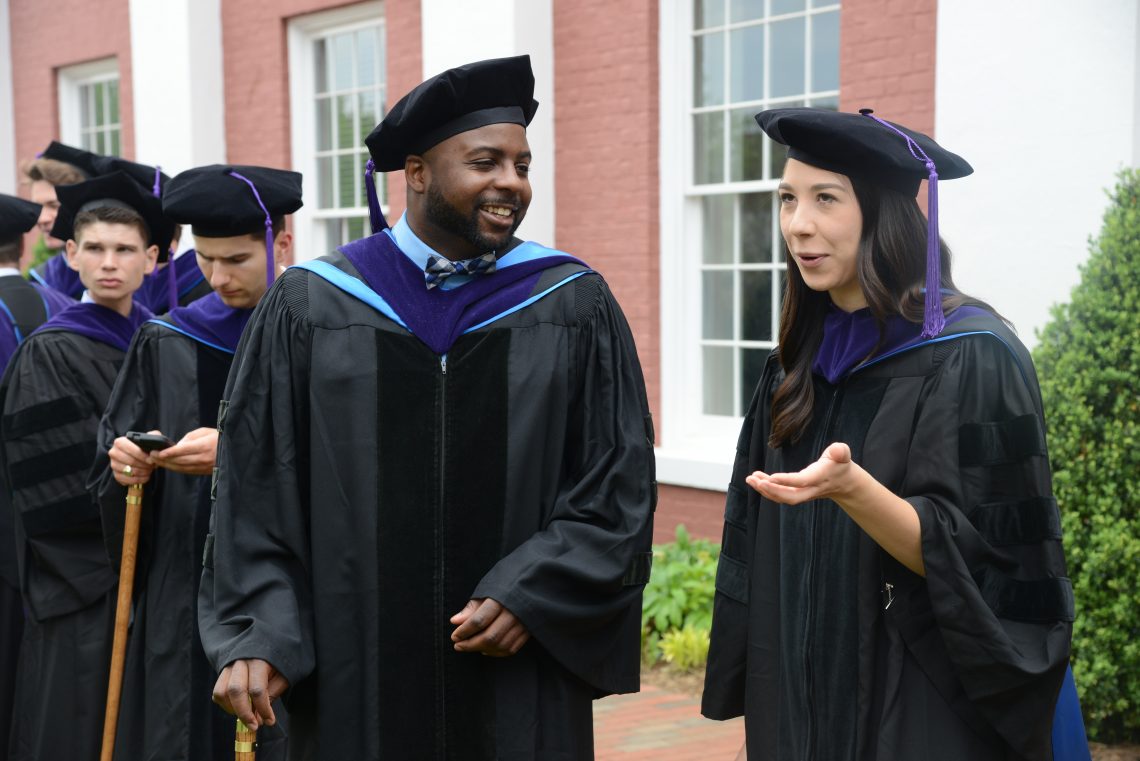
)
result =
(48, 429)
(996, 598)
(256, 598)
(131, 407)
(726, 669)
(577, 583)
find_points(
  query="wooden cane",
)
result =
(122, 618)
(245, 743)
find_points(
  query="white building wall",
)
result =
(1042, 99)
(7, 117)
(459, 31)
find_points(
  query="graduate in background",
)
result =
(171, 383)
(435, 447)
(51, 400)
(23, 308)
(61, 164)
(892, 581)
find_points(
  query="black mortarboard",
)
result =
(852, 144)
(83, 160)
(17, 216)
(116, 189)
(151, 178)
(880, 152)
(467, 97)
(221, 201)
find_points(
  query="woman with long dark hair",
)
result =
(892, 582)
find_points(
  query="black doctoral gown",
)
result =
(830, 648)
(368, 487)
(172, 383)
(52, 397)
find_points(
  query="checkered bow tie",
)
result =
(439, 269)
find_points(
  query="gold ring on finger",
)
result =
(126, 470)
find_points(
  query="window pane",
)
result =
(746, 10)
(787, 61)
(751, 366)
(708, 76)
(825, 51)
(85, 110)
(716, 304)
(756, 227)
(346, 181)
(756, 305)
(362, 201)
(341, 47)
(320, 67)
(746, 151)
(345, 116)
(99, 143)
(116, 149)
(708, 148)
(716, 228)
(356, 228)
(786, 6)
(830, 103)
(97, 94)
(113, 96)
(368, 112)
(324, 124)
(718, 380)
(366, 68)
(708, 13)
(325, 182)
(747, 65)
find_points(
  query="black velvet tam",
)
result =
(115, 189)
(143, 174)
(497, 91)
(17, 216)
(83, 160)
(856, 144)
(217, 204)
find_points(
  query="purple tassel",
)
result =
(268, 229)
(171, 278)
(375, 216)
(933, 320)
(157, 190)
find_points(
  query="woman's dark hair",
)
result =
(891, 264)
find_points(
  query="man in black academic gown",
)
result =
(51, 399)
(435, 447)
(171, 383)
(23, 308)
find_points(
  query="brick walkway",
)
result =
(662, 726)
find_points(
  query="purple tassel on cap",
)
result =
(268, 229)
(375, 216)
(171, 277)
(933, 320)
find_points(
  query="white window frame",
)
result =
(696, 449)
(70, 80)
(302, 33)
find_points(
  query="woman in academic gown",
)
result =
(892, 582)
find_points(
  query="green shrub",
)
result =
(679, 594)
(686, 649)
(1088, 361)
(40, 254)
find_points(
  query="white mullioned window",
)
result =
(338, 88)
(89, 106)
(722, 254)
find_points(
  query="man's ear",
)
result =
(416, 173)
(282, 249)
(71, 248)
(151, 259)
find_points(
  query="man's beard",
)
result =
(445, 216)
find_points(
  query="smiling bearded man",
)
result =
(435, 447)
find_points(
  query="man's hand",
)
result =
(124, 453)
(485, 626)
(247, 689)
(194, 454)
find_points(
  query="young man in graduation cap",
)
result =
(23, 308)
(435, 447)
(171, 383)
(159, 292)
(51, 400)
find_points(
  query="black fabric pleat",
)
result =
(53, 464)
(58, 515)
(1049, 599)
(42, 416)
(1025, 521)
(1002, 442)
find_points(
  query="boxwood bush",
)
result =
(1088, 361)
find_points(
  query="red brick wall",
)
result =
(405, 71)
(886, 59)
(40, 46)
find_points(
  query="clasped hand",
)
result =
(485, 626)
(194, 455)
